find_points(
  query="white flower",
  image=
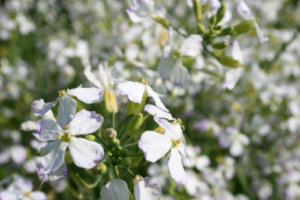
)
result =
(156, 145)
(246, 13)
(191, 46)
(117, 189)
(141, 10)
(62, 134)
(21, 189)
(157, 112)
(233, 75)
(86, 95)
(135, 92)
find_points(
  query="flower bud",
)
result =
(110, 133)
(110, 102)
(213, 20)
(197, 9)
(229, 62)
(226, 31)
(220, 13)
(219, 45)
(90, 137)
(116, 141)
(243, 27)
(134, 124)
(102, 168)
(201, 28)
(162, 21)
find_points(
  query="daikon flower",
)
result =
(21, 189)
(63, 134)
(246, 13)
(135, 92)
(86, 95)
(156, 145)
(117, 189)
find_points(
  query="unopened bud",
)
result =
(90, 137)
(201, 28)
(102, 168)
(229, 61)
(162, 21)
(219, 45)
(213, 20)
(110, 133)
(226, 31)
(243, 27)
(220, 13)
(134, 124)
(110, 102)
(116, 141)
(197, 9)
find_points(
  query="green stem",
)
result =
(100, 140)
(117, 171)
(130, 145)
(113, 120)
(87, 185)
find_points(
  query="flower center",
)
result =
(160, 130)
(176, 142)
(66, 137)
(26, 194)
(144, 82)
(61, 92)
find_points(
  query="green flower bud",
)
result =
(243, 27)
(219, 45)
(226, 31)
(162, 21)
(90, 137)
(220, 13)
(134, 124)
(201, 28)
(116, 141)
(102, 168)
(229, 61)
(213, 20)
(197, 9)
(110, 133)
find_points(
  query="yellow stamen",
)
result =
(26, 194)
(66, 127)
(176, 142)
(144, 82)
(160, 130)
(61, 92)
(66, 137)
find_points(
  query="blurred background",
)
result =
(45, 45)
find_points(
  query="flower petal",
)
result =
(134, 90)
(236, 149)
(87, 95)
(154, 145)
(85, 122)
(53, 160)
(39, 107)
(156, 98)
(66, 110)
(158, 112)
(37, 195)
(172, 130)
(85, 153)
(145, 190)
(47, 130)
(116, 189)
(175, 167)
(191, 46)
(92, 78)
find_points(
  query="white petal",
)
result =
(134, 15)
(260, 34)
(244, 139)
(39, 107)
(85, 122)
(47, 130)
(56, 175)
(166, 67)
(66, 110)
(37, 195)
(158, 112)
(134, 90)
(28, 126)
(191, 46)
(237, 52)
(104, 75)
(87, 95)
(154, 145)
(180, 75)
(146, 190)
(244, 10)
(236, 149)
(8, 195)
(232, 77)
(172, 130)
(115, 190)
(215, 4)
(85, 153)
(156, 98)
(92, 78)
(53, 160)
(18, 153)
(176, 168)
